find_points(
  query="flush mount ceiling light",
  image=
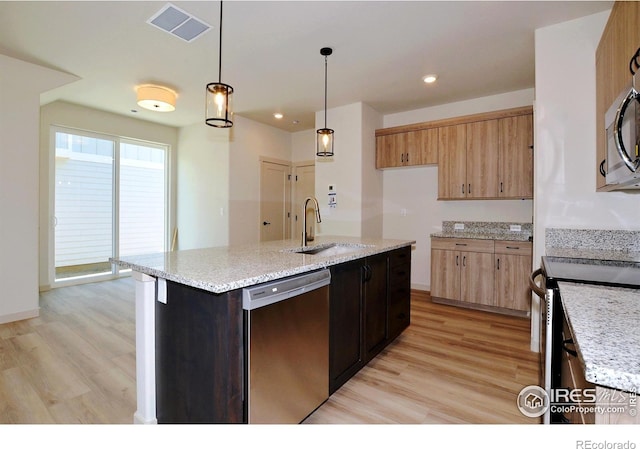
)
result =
(218, 95)
(428, 79)
(324, 136)
(278, 115)
(156, 98)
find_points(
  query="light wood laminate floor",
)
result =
(76, 364)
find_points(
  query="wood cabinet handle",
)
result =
(469, 190)
(464, 261)
(457, 264)
(501, 191)
(463, 189)
(402, 158)
(498, 264)
(461, 244)
(407, 158)
(513, 247)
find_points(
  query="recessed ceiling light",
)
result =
(278, 115)
(430, 79)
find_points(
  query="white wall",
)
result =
(203, 187)
(411, 210)
(303, 145)
(565, 131)
(352, 171)
(249, 141)
(20, 86)
(89, 119)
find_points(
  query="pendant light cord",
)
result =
(220, 48)
(325, 91)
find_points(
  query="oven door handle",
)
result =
(534, 286)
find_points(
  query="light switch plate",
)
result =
(458, 226)
(515, 228)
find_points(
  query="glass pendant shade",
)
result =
(219, 105)
(324, 142)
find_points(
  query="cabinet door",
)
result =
(445, 274)
(515, 163)
(452, 153)
(476, 278)
(399, 291)
(375, 304)
(346, 352)
(421, 147)
(512, 281)
(389, 150)
(199, 353)
(482, 159)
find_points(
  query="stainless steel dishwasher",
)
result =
(287, 357)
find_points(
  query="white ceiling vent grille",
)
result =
(179, 23)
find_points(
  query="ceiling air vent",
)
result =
(179, 23)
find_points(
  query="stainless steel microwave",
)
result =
(622, 121)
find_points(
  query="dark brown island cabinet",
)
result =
(201, 340)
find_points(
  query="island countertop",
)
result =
(604, 323)
(222, 269)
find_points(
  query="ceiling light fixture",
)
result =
(278, 115)
(156, 98)
(430, 79)
(218, 110)
(324, 136)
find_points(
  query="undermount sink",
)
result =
(333, 249)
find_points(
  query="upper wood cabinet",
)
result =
(487, 159)
(418, 147)
(515, 157)
(481, 156)
(619, 42)
(452, 166)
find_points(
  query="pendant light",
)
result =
(324, 136)
(218, 110)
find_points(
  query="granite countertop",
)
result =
(511, 236)
(604, 322)
(223, 269)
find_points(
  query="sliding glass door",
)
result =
(110, 200)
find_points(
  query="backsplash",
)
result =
(487, 227)
(598, 239)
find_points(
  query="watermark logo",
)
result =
(533, 401)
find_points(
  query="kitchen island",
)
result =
(205, 285)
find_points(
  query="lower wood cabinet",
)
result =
(487, 274)
(199, 357)
(369, 305)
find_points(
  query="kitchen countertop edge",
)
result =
(601, 339)
(293, 263)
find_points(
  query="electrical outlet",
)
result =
(458, 226)
(515, 228)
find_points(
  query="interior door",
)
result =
(275, 198)
(304, 186)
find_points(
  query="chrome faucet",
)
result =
(316, 208)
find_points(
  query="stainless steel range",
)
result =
(555, 269)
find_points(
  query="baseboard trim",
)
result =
(19, 316)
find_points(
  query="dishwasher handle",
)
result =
(269, 293)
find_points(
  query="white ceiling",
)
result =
(271, 52)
